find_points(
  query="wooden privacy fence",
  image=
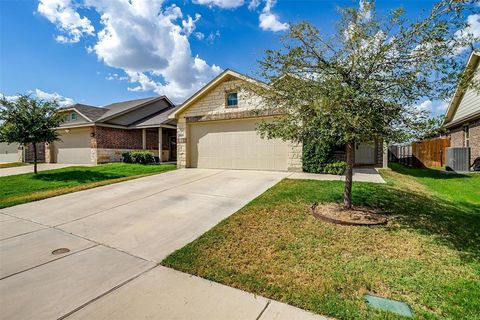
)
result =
(426, 153)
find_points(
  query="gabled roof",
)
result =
(90, 113)
(472, 64)
(103, 114)
(227, 74)
(119, 108)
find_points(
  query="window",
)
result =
(74, 116)
(65, 118)
(232, 99)
(466, 136)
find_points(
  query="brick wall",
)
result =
(152, 139)
(40, 152)
(113, 138)
(457, 138)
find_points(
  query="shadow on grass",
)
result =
(455, 224)
(77, 176)
(426, 172)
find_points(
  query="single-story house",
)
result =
(10, 152)
(14, 152)
(92, 135)
(462, 118)
(216, 128)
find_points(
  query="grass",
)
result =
(427, 256)
(28, 187)
(13, 164)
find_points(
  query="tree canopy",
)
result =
(27, 120)
(362, 82)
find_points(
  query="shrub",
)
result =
(316, 155)
(141, 157)
(338, 167)
(127, 157)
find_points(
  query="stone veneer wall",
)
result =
(457, 139)
(213, 103)
(113, 155)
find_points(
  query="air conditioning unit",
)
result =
(458, 159)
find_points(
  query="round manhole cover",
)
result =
(60, 251)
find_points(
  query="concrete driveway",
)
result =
(116, 235)
(29, 168)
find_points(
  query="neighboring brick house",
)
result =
(92, 135)
(216, 128)
(463, 114)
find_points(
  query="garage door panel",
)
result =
(234, 145)
(74, 147)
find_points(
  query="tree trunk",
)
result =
(347, 193)
(34, 158)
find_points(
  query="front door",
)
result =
(365, 153)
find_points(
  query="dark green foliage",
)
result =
(337, 167)
(318, 157)
(141, 157)
(28, 120)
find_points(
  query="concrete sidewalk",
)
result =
(117, 235)
(163, 293)
(359, 175)
(40, 167)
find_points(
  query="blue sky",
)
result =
(98, 51)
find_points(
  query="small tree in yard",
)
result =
(362, 82)
(27, 120)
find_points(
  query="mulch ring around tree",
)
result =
(357, 216)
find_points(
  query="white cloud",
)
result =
(62, 101)
(213, 36)
(42, 95)
(472, 31)
(67, 20)
(199, 35)
(365, 11)
(225, 4)
(9, 98)
(270, 21)
(149, 42)
(189, 24)
(435, 107)
(253, 4)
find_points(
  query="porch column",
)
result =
(160, 138)
(144, 139)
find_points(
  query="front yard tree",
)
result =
(361, 83)
(27, 120)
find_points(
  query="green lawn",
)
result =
(428, 255)
(12, 164)
(29, 187)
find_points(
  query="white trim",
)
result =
(75, 109)
(459, 92)
(83, 125)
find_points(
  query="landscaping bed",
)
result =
(28, 187)
(428, 255)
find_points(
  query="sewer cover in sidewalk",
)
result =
(397, 307)
(60, 251)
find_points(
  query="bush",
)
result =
(141, 157)
(338, 167)
(316, 155)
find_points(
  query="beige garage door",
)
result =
(8, 152)
(74, 146)
(234, 145)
